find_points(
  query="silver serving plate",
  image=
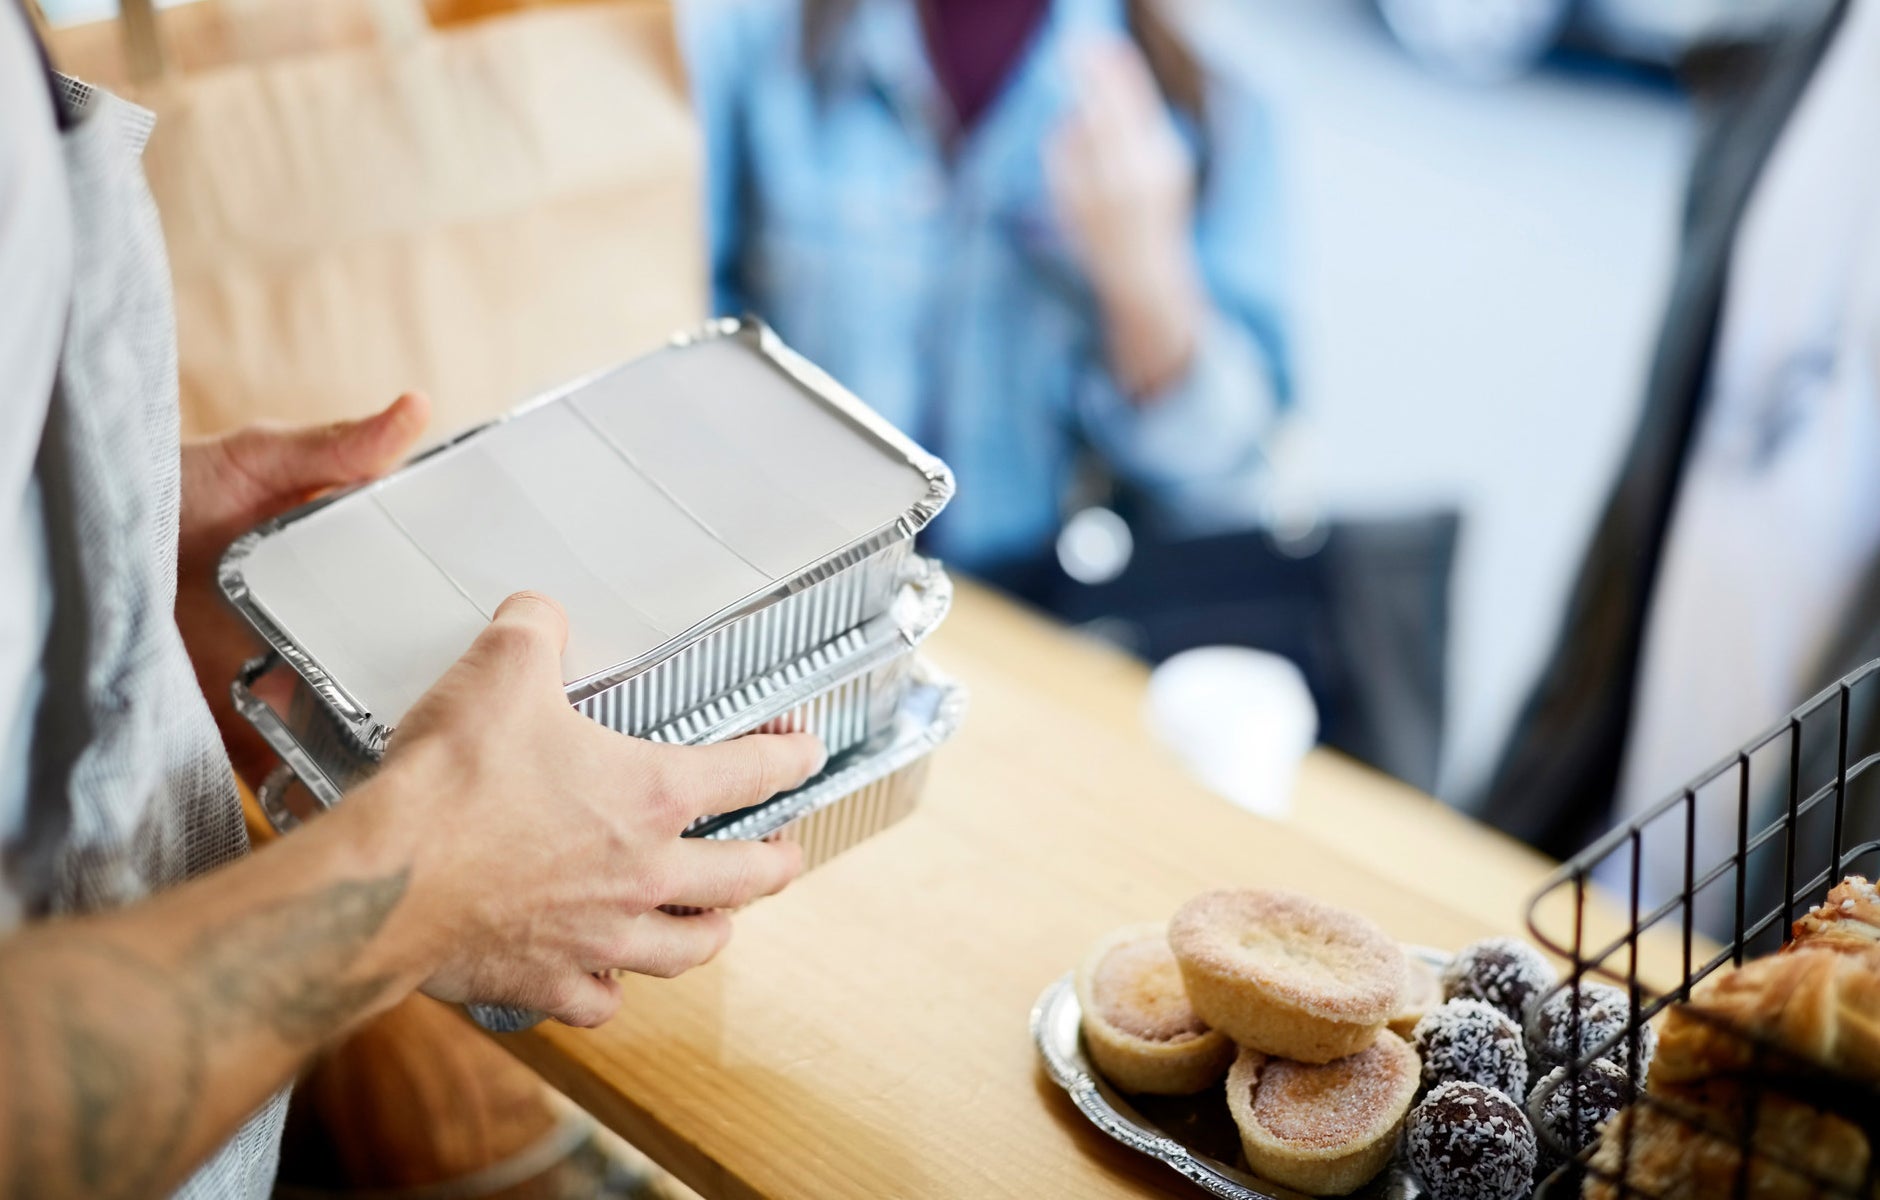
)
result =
(1057, 1030)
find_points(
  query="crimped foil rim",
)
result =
(844, 403)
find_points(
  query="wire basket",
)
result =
(1715, 875)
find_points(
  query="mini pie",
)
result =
(1283, 974)
(1422, 994)
(1139, 1027)
(1324, 1129)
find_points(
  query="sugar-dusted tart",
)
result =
(1286, 975)
(1139, 1027)
(1422, 995)
(1323, 1128)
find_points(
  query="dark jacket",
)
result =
(1555, 785)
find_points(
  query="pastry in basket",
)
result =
(1818, 1005)
(1848, 920)
(1324, 1128)
(1422, 991)
(1138, 1026)
(1286, 975)
(1693, 1149)
(1468, 1142)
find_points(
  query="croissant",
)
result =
(1673, 1150)
(1848, 921)
(1820, 1006)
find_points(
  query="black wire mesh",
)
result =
(1715, 875)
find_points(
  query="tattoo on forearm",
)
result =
(127, 1111)
(101, 1115)
(286, 964)
(99, 1075)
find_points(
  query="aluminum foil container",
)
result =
(845, 691)
(857, 796)
(707, 515)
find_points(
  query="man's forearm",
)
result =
(132, 1044)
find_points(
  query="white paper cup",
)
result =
(1241, 720)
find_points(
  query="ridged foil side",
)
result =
(859, 816)
(842, 716)
(931, 709)
(752, 645)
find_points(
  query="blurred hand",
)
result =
(233, 483)
(545, 844)
(1123, 185)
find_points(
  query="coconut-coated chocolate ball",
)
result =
(1570, 1112)
(1469, 1040)
(1469, 1142)
(1605, 1012)
(1504, 972)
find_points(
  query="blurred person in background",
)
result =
(1031, 232)
(1736, 569)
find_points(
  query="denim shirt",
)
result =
(936, 282)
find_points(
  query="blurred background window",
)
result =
(1490, 40)
(1479, 271)
(73, 12)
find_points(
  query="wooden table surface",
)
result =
(865, 1033)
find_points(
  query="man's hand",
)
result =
(233, 483)
(508, 849)
(1124, 188)
(543, 844)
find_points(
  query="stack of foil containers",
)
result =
(730, 532)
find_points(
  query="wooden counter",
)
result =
(865, 1034)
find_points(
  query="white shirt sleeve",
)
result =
(35, 279)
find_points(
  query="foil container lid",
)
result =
(656, 501)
